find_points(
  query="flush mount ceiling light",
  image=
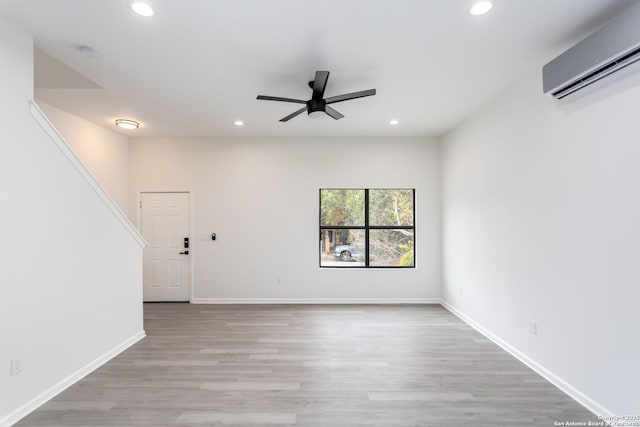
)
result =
(127, 124)
(393, 122)
(238, 123)
(481, 7)
(142, 9)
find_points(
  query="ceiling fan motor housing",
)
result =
(314, 105)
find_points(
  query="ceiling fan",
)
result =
(317, 104)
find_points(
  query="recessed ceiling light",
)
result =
(142, 9)
(127, 124)
(481, 7)
(393, 122)
(238, 123)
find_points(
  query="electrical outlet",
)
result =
(279, 280)
(16, 367)
(533, 327)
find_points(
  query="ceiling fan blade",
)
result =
(348, 96)
(292, 115)
(332, 113)
(319, 84)
(277, 98)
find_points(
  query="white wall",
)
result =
(541, 221)
(261, 198)
(71, 271)
(105, 153)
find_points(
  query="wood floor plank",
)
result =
(249, 386)
(360, 365)
(234, 418)
(247, 350)
(409, 396)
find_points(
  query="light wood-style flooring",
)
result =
(309, 365)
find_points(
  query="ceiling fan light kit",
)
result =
(318, 105)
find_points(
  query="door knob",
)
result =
(184, 253)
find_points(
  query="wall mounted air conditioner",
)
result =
(611, 48)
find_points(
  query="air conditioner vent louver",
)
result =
(613, 47)
(596, 75)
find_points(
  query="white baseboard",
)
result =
(554, 379)
(24, 410)
(315, 301)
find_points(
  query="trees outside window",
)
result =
(367, 228)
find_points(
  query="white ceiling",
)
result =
(197, 65)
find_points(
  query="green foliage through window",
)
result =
(367, 228)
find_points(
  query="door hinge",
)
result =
(140, 203)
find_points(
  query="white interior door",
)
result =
(164, 221)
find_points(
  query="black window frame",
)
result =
(366, 227)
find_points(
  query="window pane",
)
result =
(391, 248)
(342, 248)
(342, 207)
(390, 207)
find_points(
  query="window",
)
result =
(367, 228)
